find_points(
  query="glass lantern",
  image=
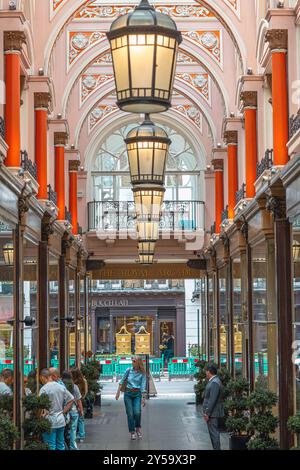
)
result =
(148, 201)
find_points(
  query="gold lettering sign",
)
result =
(156, 271)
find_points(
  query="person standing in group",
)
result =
(61, 402)
(6, 381)
(82, 384)
(55, 375)
(133, 383)
(75, 410)
(213, 408)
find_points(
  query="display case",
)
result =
(142, 341)
(123, 341)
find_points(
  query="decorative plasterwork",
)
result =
(98, 114)
(234, 5)
(191, 112)
(81, 41)
(184, 58)
(55, 6)
(89, 83)
(200, 81)
(209, 41)
(103, 59)
(96, 10)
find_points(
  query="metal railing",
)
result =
(265, 164)
(68, 216)
(294, 124)
(52, 195)
(119, 215)
(225, 214)
(28, 165)
(213, 228)
(240, 195)
(2, 128)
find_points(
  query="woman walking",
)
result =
(133, 383)
(82, 384)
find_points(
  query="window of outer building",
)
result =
(72, 314)
(296, 295)
(6, 295)
(54, 310)
(204, 328)
(224, 315)
(212, 327)
(239, 323)
(264, 314)
(30, 306)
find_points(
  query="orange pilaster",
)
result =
(60, 180)
(280, 107)
(232, 178)
(41, 151)
(219, 192)
(251, 150)
(12, 108)
(73, 204)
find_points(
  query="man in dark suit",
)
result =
(213, 405)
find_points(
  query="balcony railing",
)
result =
(2, 127)
(137, 285)
(52, 196)
(213, 228)
(119, 215)
(68, 216)
(294, 124)
(225, 214)
(265, 164)
(27, 164)
(240, 195)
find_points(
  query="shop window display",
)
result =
(72, 317)
(54, 311)
(239, 320)
(224, 315)
(212, 329)
(296, 296)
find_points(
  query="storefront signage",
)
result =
(110, 303)
(156, 271)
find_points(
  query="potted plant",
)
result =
(200, 376)
(262, 423)
(91, 372)
(293, 425)
(35, 425)
(236, 405)
(225, 377)
(8, 432)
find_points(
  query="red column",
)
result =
(231, 138)
(73, 204)
(41, 101)
(13, 41)
(249, 99)
(60, 140)
(219, 191)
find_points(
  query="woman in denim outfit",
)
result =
(134, 396)
(75, 411)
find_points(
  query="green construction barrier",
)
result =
(121, 368)
(155, 368)
(107, 368)
(180, 367)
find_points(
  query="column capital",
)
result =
(42, 100)
(13, 40)
(277, 39)
(74, 165)
(60, 138)
(231, 137)
(218, 164)
(249, 99)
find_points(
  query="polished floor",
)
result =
(170, 422)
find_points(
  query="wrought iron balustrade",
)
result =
(2, 128)
(52, 195)
(119, 215)
(294, 124)
(240, 195)
(68, 216)
(265, 164)
(213, 228)
(225, 214)
(79, 230)
(28, 165)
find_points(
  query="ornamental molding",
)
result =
(218, 164)
(14, 40)
(55, 5)
(192, 113)
(98, 114)
(89, 83)
(42, 100)
(74, 165)
(96, 10)
(60, 138)
(249, 99)
(277, 207)
(200, 81)
(231, 137)
(105, 58)
(81, 41)
(277, 39)
(208, 41)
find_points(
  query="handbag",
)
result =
(124, 384)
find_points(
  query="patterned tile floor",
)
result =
(169, 422)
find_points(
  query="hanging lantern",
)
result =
(8, 254)
(147, 230)
(147, 148)
(146, 258)
(148, 200)
(146, 246)
(144, 46)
